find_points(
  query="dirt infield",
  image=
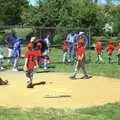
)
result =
(59, 91)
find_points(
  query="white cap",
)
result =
(32, 39)
(81, 33)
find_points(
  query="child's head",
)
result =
(81, 42)
(39, 45)
(30, 46)
(98, 39)
(110, 41)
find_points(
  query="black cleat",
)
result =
(85, 77)
(72, 77)
(30, 85)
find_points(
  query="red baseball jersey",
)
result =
(80, 50)
(110, 48)
(37, 53)
(31, 59)
(98, 47)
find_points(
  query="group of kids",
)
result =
(78, 52)
(69, 49)
(33, 56)
(35, 53)
(110, 48)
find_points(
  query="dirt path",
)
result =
(59, 91)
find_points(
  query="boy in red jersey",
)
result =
(98, 49)
(80, 59)
(110, 48)
(65, 51)
(30, 64)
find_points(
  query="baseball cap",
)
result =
(32, 39)
(81, 33)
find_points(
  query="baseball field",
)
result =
(56, 97)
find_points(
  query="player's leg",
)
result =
(9, 55)
(64, 57)
(15, 64)
(29, 77)
(83, 66)
(72, 53)
(118, 59)
(97, 60)
(69, 53)
(110, 58)
(45, 63)
(76, 70)
(100, 59)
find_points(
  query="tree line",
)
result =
(57, 13)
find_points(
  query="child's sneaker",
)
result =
(45, 68)
(85, 77)
(72, 77)
(30, 85)
(14, 70)
(1, 68)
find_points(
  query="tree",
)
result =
(10, 11)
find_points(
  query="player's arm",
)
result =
(81, 57)
(36, 65)
(25, 65)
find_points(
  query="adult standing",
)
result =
(16, 54)
(71, 38)
(46, 52)
(10, 40)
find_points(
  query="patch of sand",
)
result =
(79, 93)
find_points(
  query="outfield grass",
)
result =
(106, 112)
(109, 70)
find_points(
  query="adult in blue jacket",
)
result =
(16, 53)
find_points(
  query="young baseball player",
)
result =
(65, 51)
(118, 52)
(30, 64)
(98, 49)
(80, 59)
(110, 48)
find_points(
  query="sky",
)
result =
(33, 1)
(100, 1)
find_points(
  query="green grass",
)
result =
(106, 112)
(109, 70)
